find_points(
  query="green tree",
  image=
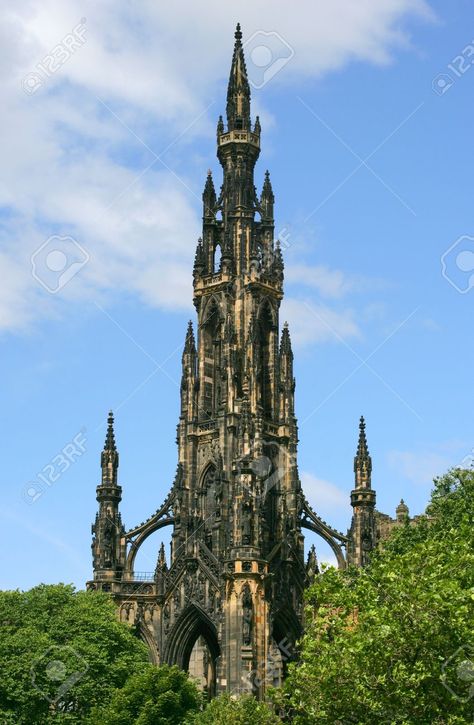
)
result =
(393, 643)
(244, 710)
(157, 696)
(61, 652)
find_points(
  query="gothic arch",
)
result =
(208, 312)
(192, 623)
(216, 257)
(286, 632)
(145, 634)
(266, 304)
(337, 549)
(267, 350)
(144, 534)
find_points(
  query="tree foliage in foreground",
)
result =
(61, 652)
(393, 643)
(157, 696)
(244, 710)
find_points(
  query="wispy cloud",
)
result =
(323, 495)
(80, 153)
(422, 466)
(315, 323)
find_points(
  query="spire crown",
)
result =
(189, 343)
(109, 444)
(238, 90)
(285, 344)
(362, 460)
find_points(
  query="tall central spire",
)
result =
(238, 91)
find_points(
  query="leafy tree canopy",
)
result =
(244, 710)
(393, 643)
(61, 652)
(157, 696)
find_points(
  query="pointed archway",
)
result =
(191, 628)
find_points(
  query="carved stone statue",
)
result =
(247, 615)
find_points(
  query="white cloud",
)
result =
(333, 283)
(313, 323)
(69, 166)
(325, 497)
(419, 467)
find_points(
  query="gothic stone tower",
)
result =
(362, 534)
(236, 574)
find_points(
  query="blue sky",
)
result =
(367, 133)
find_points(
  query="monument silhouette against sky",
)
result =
(227, 604)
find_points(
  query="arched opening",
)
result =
(285, 634)
(202, 668)
(324, 552)
(138, 541)
(194, 647)
(146, 558)
(265, 363)
(333, 544)
(216, 264)
(210, 502)
(211, 348)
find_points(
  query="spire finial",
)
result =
(189, 343)
(285, 344)
(362, 460)
(110, 437)
(238, 91)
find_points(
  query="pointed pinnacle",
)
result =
(285, 344)
(189, 343)
(110, 437)
(238, 32)
(362, 458)
(238, 90)
(362, 449)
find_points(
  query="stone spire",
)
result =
(189, 343)
(362, 534)
(238, 90)
(312, 567)
(161, 563)
(209, 197)
(109, 459)
(108, 548)
(362, 459)
(402, 511)
(285, 344)
(199, 260)
(267, 199)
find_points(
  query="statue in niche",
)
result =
(247, 528)
(108, 540)
(247, 615)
